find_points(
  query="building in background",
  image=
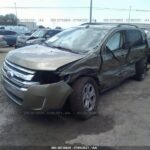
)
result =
(29, 23)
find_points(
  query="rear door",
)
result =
(112, 60)
(138, 45)
(134, 48)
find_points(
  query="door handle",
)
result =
(123, 55)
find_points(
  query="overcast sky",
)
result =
(76, 13)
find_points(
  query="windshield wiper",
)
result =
(64, 49)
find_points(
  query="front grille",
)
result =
(16, 80)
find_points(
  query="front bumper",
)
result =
(39, 97)
(19, 45)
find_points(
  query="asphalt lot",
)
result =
(123, 120)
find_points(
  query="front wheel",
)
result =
(83, 100)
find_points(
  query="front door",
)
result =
(112, 60)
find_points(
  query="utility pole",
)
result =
(91, 7)
(16, 11)
(130, 8)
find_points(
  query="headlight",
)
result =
(32, 42)
(29, 42)
(46, 77)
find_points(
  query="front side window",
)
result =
(114, 42)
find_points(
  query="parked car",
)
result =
(147, 32)
(18, 29)
(9, 36)
(21, 40)
(37, 37)
(2, 42)
(74, 66)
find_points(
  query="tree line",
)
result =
(9, 19)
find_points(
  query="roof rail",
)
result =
(127, 24)
(99, 23)
(118, 25)
(93, 23)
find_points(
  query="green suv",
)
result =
(74, 66)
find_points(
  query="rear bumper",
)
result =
(39, 97)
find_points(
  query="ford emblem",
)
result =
(10, 74)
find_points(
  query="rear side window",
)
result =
(134, 37)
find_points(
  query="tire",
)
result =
(82, 104)
(141, 68)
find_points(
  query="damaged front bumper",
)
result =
(46, 97)
(39, 97)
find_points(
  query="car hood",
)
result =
(38, 57)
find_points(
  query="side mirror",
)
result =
(107, 50)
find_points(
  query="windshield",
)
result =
(39, 33)
(79, 39)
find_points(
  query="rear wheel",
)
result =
(83, 100)
(141, 68)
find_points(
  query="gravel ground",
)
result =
(123, 120)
